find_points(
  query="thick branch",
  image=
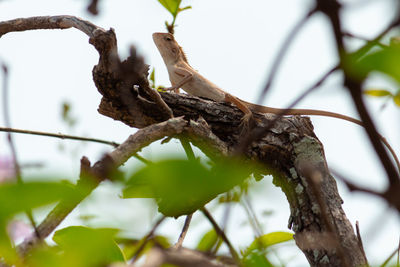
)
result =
(102, 169)
(282, 149)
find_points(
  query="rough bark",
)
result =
(290, 150)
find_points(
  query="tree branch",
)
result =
(101, 170)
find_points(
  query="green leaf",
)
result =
(267, 240)
(181, 186)
(184, 8)
(256, 259)
(15, 198)
(152, 78)
(396, 99)
(130, 247)
(377, 92)
(88, 246)
(171, 5)
(208, 241)
(45, 256)
(385, 61)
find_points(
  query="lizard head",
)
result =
(169, 49)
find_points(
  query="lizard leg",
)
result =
(240, 105)
(186, 77)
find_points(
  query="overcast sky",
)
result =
(232, 43)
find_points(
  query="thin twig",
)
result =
(134, 143)
(254, 222)
(331, 9)
(390, 257)
(221, 233)
(185, 229)
(373, 42)
(360, 243)
(351, 186)
(59, 135)
(146, 239)
(70, 137)
(11, 143)
(283, 49)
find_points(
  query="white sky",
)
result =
(231, 42)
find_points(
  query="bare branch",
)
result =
(180, 257)
(146, 239)
(331, 9)
(221, 233)
(360, 243)
(101, 170)
(281, 53)
(11, 143)
(59, 135)
(48, 22)
(185, 228)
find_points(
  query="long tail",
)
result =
(314, 112)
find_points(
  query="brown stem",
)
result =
(222, 234)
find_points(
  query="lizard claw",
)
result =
(245, 121)
(176, 90)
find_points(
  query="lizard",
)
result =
(182, 75)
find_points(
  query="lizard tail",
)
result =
(283, 112)
(305, 112)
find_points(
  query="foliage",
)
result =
(385, 61)
(181, 186)
(209, 241)
(16, 198)
(268, 240)
(81, 247)
(173, 7)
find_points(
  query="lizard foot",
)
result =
(174, 89)
(246, 122)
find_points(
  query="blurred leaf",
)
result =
(130, 247)
(171, 5)
(16, 198)
(66, 107)
(152, 78)
(377, 92)
(185, 8)
(66, 114)
(208, 241)
(89, 247)
(395, 41)
(8, 253)
(47, 257)
(181, 186)
(230, 197)
(256, 259)
(161, 88)
(267, 240)
(396, 99)
(385, 61)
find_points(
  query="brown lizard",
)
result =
(182, 75)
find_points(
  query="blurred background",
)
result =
(233, 43)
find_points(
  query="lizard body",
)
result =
(182, 75)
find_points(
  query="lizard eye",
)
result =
(168, 38)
